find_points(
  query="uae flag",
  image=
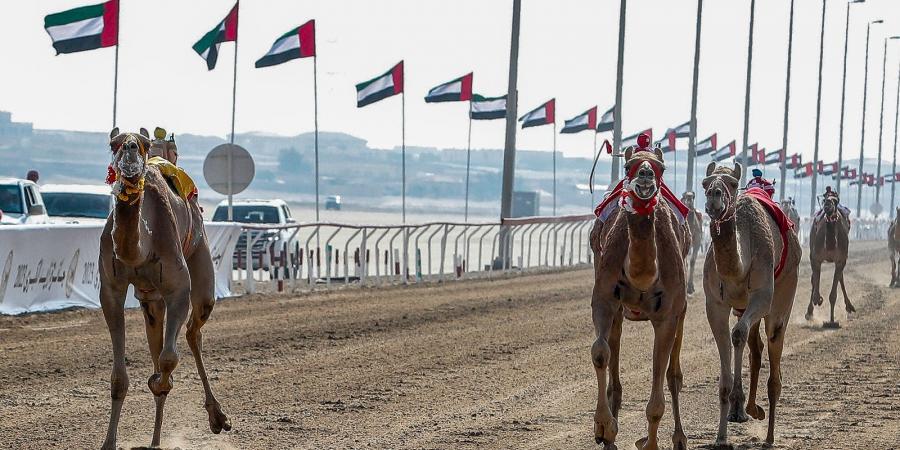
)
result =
(607, 121)
(804, 171)
(827, 169)
(85, 28)
(848, 173)
(632, 140)
(584, 121)
(794, 161)
(487, 108)
(757, 155)
(297, 43)
(381, 87)
(225, 31)
(774, 157)
(706, 146)
(728, 151)
(542, 115)
(458, 90)
(667, 143)
(683, 130)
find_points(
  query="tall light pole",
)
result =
(862, 144)
(692, 142)
(894, 164)
(843, 99)
(815, 174)
(617, 111)
(881, 119)
(787, 102)
(747, 94)
(509, 149)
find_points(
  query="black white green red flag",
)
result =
(225, 31)
(381, 87)
(542, 115)
(728, 151)
(706, 146)
(607, 121)
(84, 28)
(297, 43)
(667, 142)
(458, 90)
(487, 108)
(584, 121)
(683, 130)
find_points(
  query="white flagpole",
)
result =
(116, 70)
(316, 127)
(554, 165)
(403, 146)
(468, 162)
(233, 109)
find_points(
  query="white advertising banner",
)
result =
(49, 267)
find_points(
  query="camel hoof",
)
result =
(820, 301)
(809, 313)
(722, 446)
(218, 421)
(850, 309)
(738, 417)
(756, 412)
(679, 442)
(606, 445)
(643, 444)
(831, 325)
(156, 387)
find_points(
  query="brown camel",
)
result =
(695, 224)
(740, 275)
(894, 247)
(155, 241)
(787, 205)
(829, 241)
(639, 275)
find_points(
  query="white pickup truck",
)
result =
(21, 203)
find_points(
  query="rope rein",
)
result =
(729, 204)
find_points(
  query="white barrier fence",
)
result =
(302, 256)
(48, 267)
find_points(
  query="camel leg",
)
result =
(893, 269)
(663, 341)
(177, 305)
(717, 314)
(202, 303)
(847, 305)
(606, 426)
(832, 297)
(815, 298)
(756, 346)
(113, 303)
(757, 306)
(614, 390)
(775, 330)
(154, 312)
(690, 280)
(675, 380)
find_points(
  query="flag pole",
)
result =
(468, 162)
(403, 148)
(116, 70)
(591, 188)
(815, 175)
(316, 128)
(554, 162)
(233, 109)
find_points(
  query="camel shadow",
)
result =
(748, 446)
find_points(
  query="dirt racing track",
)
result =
(501, 363)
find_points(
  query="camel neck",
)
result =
(727, 251)
(127, 232)
(641, 264)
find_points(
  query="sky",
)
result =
(567, 51)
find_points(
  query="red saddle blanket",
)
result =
(612, 199)
(784, 223)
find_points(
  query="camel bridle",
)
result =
(630, 201)
(130, 191)
(834, 215)
(728, 200)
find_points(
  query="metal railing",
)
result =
(324, 254)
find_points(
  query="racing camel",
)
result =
(829, 241)
(639, 274)
(894, 247)
(750, 269)
(695, 223)
(154, 240)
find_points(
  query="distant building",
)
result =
(13, 132)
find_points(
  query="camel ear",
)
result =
(113, 133)
(710, 168)
(737, 171)
(145, 133)
(628, 152)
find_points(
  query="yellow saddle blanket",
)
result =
(184, 185)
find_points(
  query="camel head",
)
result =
(830, 207)
(688, 199)
(130, 152)
(721, 185)
(644, 171)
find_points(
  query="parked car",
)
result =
(21, 203)
(333, 202)
(78, 203)
(260, 212)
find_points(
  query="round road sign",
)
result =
(215, 169)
